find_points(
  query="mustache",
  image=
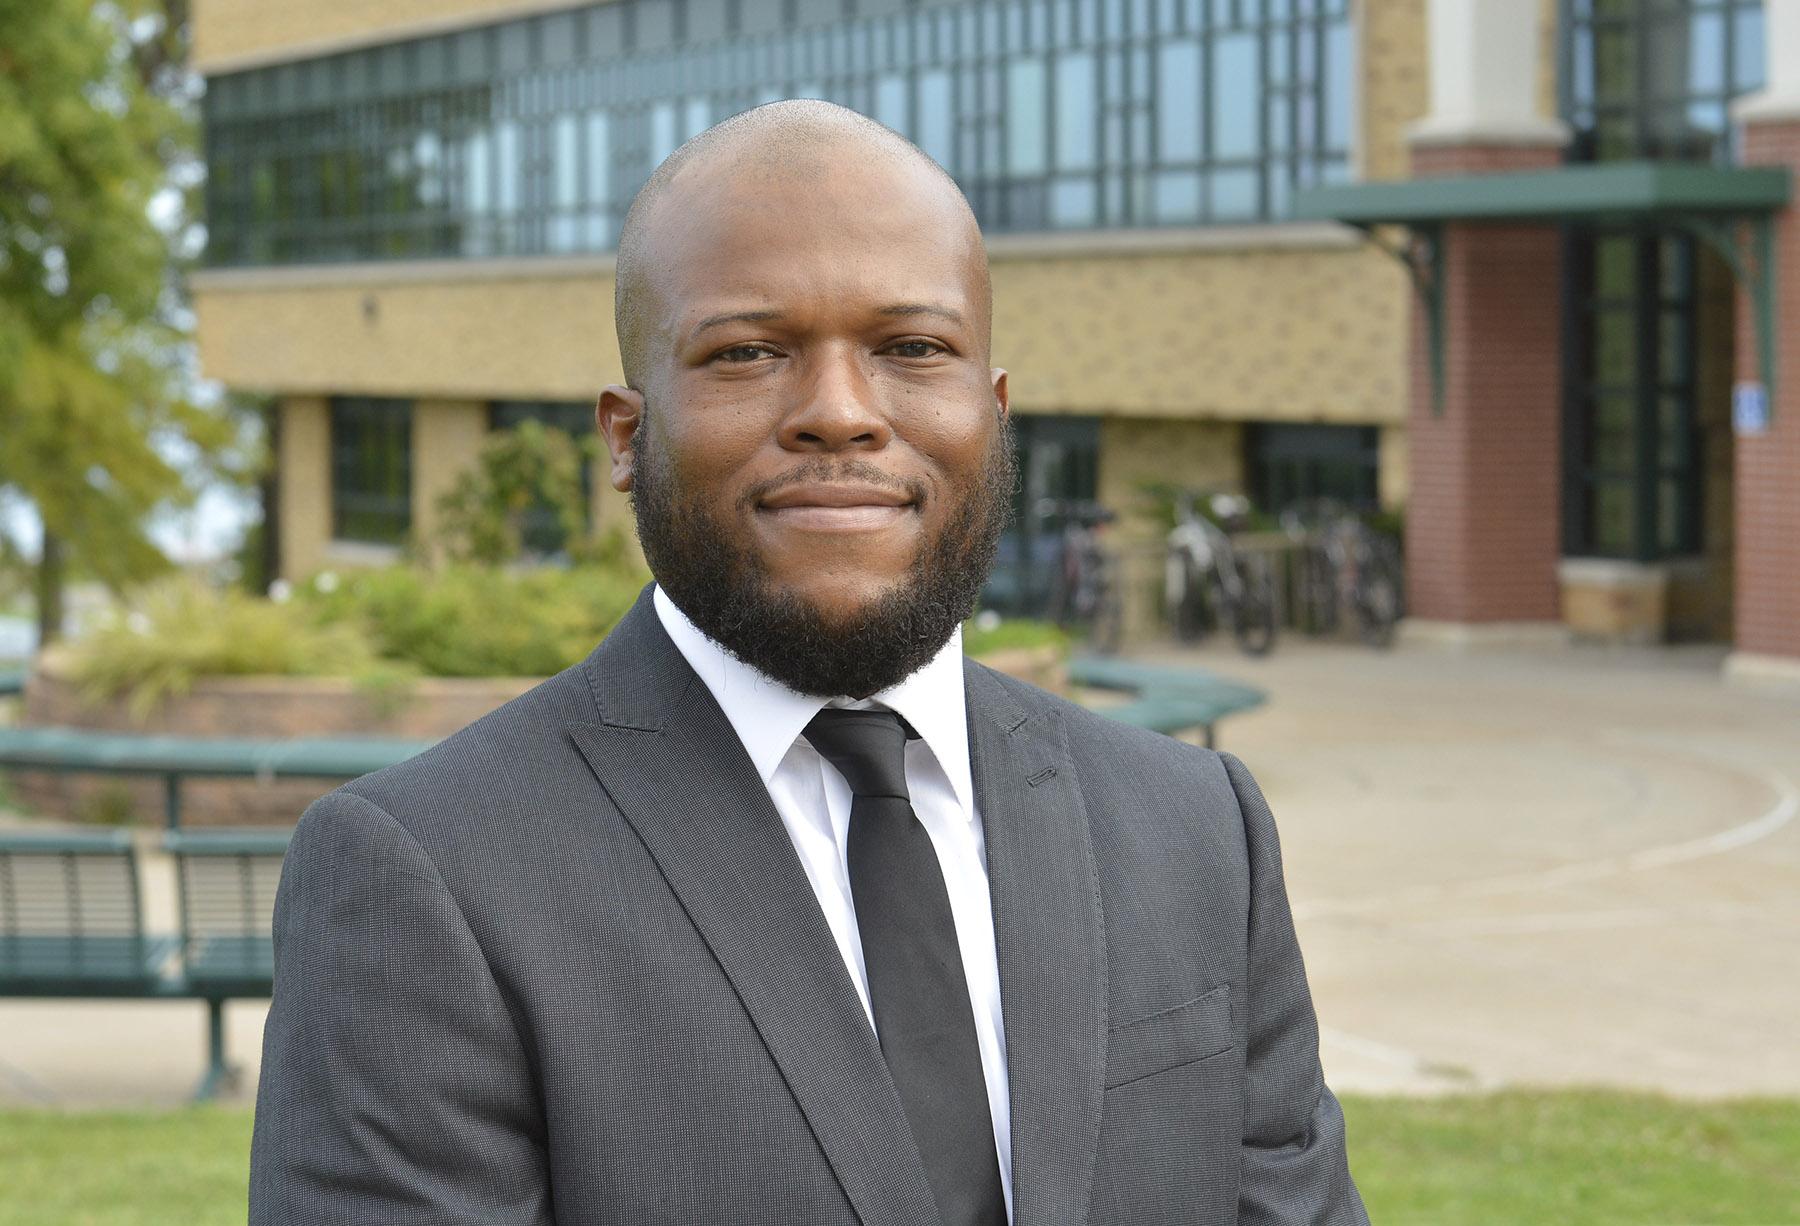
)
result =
(858, 471)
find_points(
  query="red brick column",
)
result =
(1483, 527)
(1767, 481)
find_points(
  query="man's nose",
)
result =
(838, 408)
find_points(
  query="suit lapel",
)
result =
(1051, 946)
(670, 761)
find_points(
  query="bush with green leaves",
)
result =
(469, 621)
(521, 498)
(384, 628)
(181, 629)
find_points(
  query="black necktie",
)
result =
(916, 981)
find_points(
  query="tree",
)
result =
(97, 425)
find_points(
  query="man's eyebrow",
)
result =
(734, 317)
(902, 309)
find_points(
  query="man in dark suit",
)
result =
(775, 909)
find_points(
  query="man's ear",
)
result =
(1000, 391)
(617, 416)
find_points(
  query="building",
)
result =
(411, 206)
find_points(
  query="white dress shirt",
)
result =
(814, 803)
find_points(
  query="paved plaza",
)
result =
(1555, 867)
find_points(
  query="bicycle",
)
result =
(1346, 563)
(1084, 593)
(1208, 581)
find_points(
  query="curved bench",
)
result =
(1166, 699)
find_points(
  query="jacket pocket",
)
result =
(1170, 1038)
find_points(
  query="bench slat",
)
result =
(75, 749)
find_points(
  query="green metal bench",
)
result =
(71, 922)
(71, 918)
(227, 881)
(1165, 699)
(177, 757)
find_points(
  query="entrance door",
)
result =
(1631, 473)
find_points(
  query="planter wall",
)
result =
(254, 707)
(276, 707)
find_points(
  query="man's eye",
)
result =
(915, 349)
(743, 353)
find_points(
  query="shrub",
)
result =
(466, 621)
(180, 629)
(523, 497)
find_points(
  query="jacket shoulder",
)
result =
(1092, 732)
(486, 757)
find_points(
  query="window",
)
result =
(543, 529)
(1296, 463)
(521, 137)
(1642, 80)
(1656, 80)
(1632, 476)
(371, 469)
(1059, 463)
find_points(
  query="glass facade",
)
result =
(531, 136)
(1655, 78)
(371, 469)
(1642, 79)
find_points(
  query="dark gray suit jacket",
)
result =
(566, 966)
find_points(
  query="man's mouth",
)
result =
(837, 506)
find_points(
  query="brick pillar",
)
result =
(1483, 533)
(1766, 484)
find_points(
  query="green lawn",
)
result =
(1576, 1159)
(1568, 1159)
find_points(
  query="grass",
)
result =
(1565, 1158)
(124, 1168)
(1011, 634)
(1591, 1158)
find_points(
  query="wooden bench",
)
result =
(1165, 699)
(177, 757)
(72, 925)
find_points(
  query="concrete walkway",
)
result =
(1570, 867)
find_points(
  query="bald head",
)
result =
(751, 163)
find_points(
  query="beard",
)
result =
(708, 570)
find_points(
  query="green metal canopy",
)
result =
(1610, 191)
(1725, 207)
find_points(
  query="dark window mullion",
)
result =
(1647, 418)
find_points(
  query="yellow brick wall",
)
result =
(1547, 31)
(461, 337)
(1309, 334)
(230, 34)
(304, 462)
(1395, 83)
(1394, 475)
(446, 440)
(1290, 335)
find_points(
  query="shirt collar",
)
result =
(768, 716)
